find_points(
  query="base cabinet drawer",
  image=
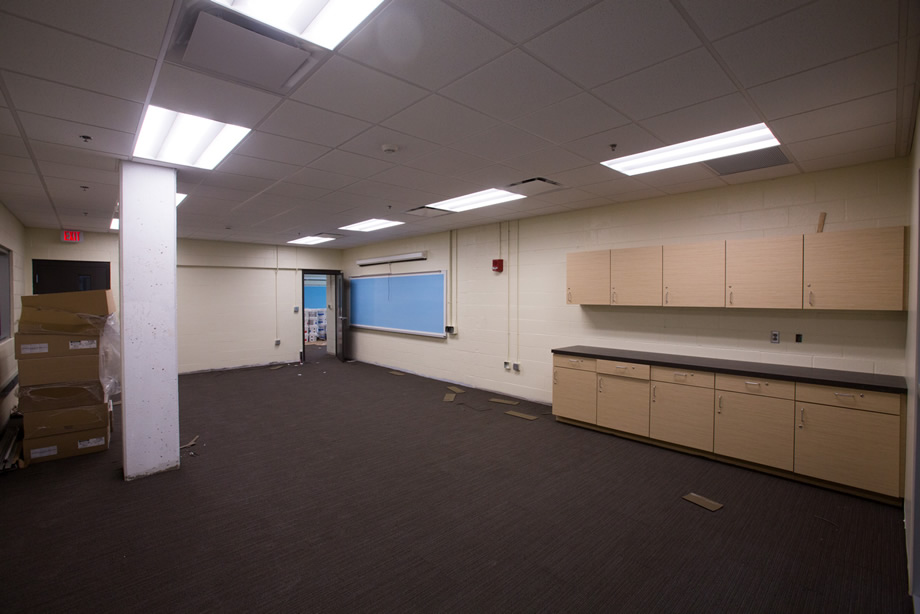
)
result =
(622, 404)
(755, 428)
(681, 414)
(848, 446)
(573, 394)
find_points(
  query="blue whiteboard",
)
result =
(413, 303)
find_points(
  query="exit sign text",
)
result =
(71, 236)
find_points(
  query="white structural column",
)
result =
(149, 346)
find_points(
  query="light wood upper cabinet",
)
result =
(587, 278)
(694, 274)
(855, 269)
(764, 273)
(635, 276)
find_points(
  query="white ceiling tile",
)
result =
(678, 82)
(345, 163)
(135, 26)
(405, 196)
(501, 143)
(70, 193)
(613, 39)
(547, 162)
(279, 149)
(510, 86)
(862, 75)
(570, 119)
(565, 196)
(320, 179)
(424, 42)
(18, 178)
(73, 156)
(814, 35)
(586, 175)
(692, 186)
(7, 123)
(255, 167)
(236, 182)
(223, 193)
(848, 159)
(426, 182)
(860, 113)
(676, 176)
(704, 119)
(187, 91)
(13, 146)
(54, 55)
(870, 138)
(61, 132)
(371, 142)
(447, 161)
(54, 100)
(495, 176)
(198, 205)
(425, 119)
(617, 185)
(312, 124)
(718, 18)
(629, 139)
(79, 173)
(16, 164)
(297, 191)
(521, 19)
(762, 174)
(335, 84)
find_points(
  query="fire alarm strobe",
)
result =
(498, 265)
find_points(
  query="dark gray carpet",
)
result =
(342, 488)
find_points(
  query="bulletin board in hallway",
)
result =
(413, 303)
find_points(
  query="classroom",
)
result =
(311, 356)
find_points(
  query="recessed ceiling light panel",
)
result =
(371, 225)
(187, 140)
(322, 22)
(749, 138)
(476, 200)
(311, 240)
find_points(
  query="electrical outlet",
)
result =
(296, 308)
(277, 341)
(507, 365)
(774, 336)
(517, 367)
(798, 337)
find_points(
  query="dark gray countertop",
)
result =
(808, 375)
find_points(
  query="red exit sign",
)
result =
(71, 236)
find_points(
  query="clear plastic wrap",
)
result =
(110, 352)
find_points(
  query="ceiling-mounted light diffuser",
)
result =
(322, 22)
(188, 140)
(311, 240)
(115, 224)
(750, 138)
(371, 225)
(180, 197)
(476, 200)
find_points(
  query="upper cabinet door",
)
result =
(635, 276)
(694, 274)
(587, 278)
(855, 269)
(764, 273)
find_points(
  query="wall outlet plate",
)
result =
(774, 336)
(517, 367)
(277, 341)
(507, 365)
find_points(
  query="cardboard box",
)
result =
(63, 370)
(63, 421)
(66, 312)
(43, 449)
(30, 346)
(58, 396)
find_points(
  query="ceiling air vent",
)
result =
(426, 211)
(534, 186)
(752, 160)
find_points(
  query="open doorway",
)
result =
(324, 312)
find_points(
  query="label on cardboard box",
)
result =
(84, 344)
(91, 443)
(34, 348)
(42, 452)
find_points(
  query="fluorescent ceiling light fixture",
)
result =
(311, 240)
(115, 224)
(729, 143)
(189, 140)
(476, 200)
(180, 197)
(370, 225)
(322, 22)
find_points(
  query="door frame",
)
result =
(338, 306)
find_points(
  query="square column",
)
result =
(149, 346)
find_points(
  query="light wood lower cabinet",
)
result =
(573, 394)
(848, 446)
(681, 414)
(622, 397)
(754, 428)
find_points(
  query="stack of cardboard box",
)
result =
(62, 397)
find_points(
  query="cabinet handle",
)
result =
(619, 367)
(613, 296)
(720, 404)
(754, 383)
(600, 384)
(653, 393)
(555, 376)
(731, 298)
(811, 298)
(568, 296)
(847, 394)
(575, 360)
(678, 374)
(801, 417)
(667, 294)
